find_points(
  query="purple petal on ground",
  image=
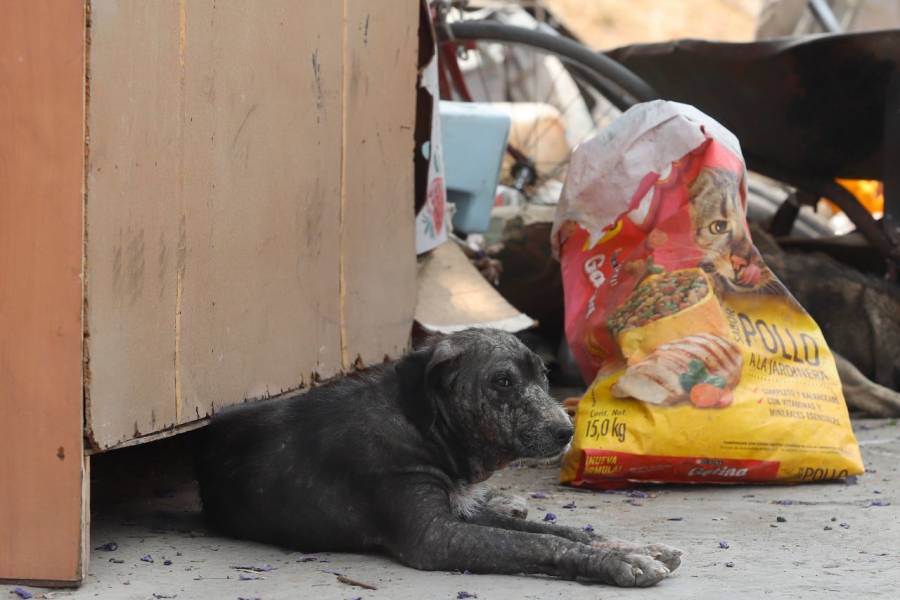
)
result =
(569, 505)
(22, 593)
(851, 480)
(588, 528)
(638, 494)
(167, 562)
(879, 502)
(724, 545)
(147, 558)
(783, 502)
(549, 517)
(464, 595)
(539, 495)
(248, 577)
(158, 595)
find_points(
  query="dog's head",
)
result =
(485, 391)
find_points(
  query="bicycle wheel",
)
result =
(558, 92)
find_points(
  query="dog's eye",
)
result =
(502, 381)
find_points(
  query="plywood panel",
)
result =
(134, 234)
(41, 172)
(213, 207)
(259, 312)
(379, 287)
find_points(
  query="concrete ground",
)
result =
(835, 540)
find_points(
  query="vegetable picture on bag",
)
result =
(672, 314)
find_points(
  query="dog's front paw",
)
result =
(507, 504)
(667, 555)
(635, 570)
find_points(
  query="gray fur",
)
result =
(859, 316)
(386, 460)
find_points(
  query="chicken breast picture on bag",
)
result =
(702, 368)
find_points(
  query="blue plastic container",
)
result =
(473, 139)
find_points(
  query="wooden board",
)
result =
(41, 173)
(379, 257)
(235, 247)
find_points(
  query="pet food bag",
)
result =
(704, 367)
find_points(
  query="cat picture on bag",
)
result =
(720, 232)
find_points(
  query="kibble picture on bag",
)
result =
(704, 367)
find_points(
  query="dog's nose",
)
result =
(563, 434)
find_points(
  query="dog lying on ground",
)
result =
(391, 460)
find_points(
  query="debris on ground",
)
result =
(22, 593)
(346, 580)
(108, 547)
(263, 568)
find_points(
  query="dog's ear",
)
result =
(423, 337)
(422, 376)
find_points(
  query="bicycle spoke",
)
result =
(484, 84)
(550, 92)
(549, 127)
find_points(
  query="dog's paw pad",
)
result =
(638, 570)
(667, 555)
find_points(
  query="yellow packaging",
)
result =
(704, 367)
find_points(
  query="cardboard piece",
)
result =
(454, 296)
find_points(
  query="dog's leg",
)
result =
(427, 536)
(669, 556)
(863, 394)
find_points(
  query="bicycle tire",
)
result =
(627, 88)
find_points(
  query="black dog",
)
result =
(389, 460)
